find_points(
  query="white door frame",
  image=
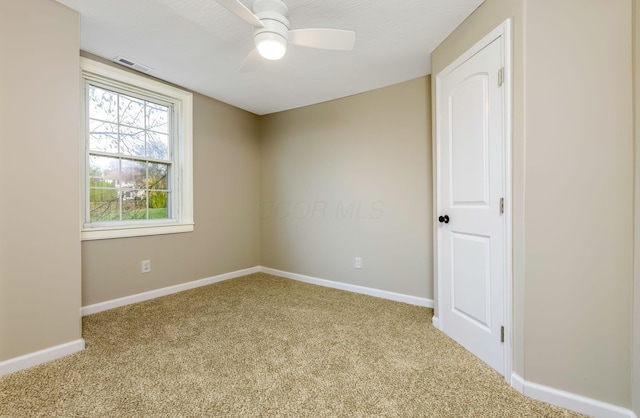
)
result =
(504, 31)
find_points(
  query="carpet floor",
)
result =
(262, 346)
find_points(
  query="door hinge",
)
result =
(500, 77)
(502, 206)
(502, 334)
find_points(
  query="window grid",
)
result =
(125, 191)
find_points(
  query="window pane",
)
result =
(134, 174)
(103, 104)
(103, 171)
(157, 146)
(104, 204)
(157, 118)
(131, 141)
(158, 175)
(103, 136)
(131, 111)
(158, 203)
(134, 204)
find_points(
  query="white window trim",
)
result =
(184, 105)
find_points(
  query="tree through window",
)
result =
(129, 157)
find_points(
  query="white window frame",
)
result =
(182, 189)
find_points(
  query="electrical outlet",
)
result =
(358, 263)
(146, 266)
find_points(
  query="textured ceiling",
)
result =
(200, 45)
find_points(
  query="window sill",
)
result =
(89, 234)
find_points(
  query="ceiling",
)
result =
(200, 45)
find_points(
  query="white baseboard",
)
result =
(436, 322)
(152, 294)
(398, 297)
(517, 382)
(569, 400)
(39, 357)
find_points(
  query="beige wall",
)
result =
(347, 178)
(572, 186)
(579, 197)
(39, 175)
(226, 207)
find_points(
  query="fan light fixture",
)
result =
(271, 32)
(271, 45)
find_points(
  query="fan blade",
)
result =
(251, 62)
(323, 38)
(242, 12)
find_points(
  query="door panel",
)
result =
(469, 142)
(471, 287)
(470, 184)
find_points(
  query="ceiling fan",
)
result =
(271, 31)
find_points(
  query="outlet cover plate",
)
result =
(358, 263)
(146, 266)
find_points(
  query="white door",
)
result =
(470, 188)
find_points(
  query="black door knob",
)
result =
(444, 219)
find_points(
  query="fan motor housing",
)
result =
(273, 15)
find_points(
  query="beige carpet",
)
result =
(262, 346)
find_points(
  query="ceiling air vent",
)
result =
(128, 63)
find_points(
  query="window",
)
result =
(137, 143)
